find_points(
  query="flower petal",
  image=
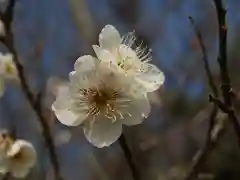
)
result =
(62, 108)
(63, 100)
(128, 54)
(27, 153)
(138, 110)
(151, 78)
(103, 132)
(69, 118)
(7, 67)
(2, 88)
(4, 165)
(104, 55)
(85, 63)
(109, 38)
(22, 156)
(19, 171)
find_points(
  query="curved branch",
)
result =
(8, 41)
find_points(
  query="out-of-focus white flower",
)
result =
(101, 100)
(5, 142)
(5, 145)
(119, 51)
(22, 157)
(7, 70)
(2, 28)
(16, 157)
(7, 67)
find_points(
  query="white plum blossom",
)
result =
(7, 70)
(22, 157)
(101, 100)
(120, 52)
(16, 157)
(7, 67)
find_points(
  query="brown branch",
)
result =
(226, 107)
(129, 158)
(205, 59)
(8, 41)
(222, 60)
(209, 146)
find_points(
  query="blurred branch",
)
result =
(205, 59)
(222, 60)
(209, 145)
(129, 157)
(83, 20)
(225, 106)
(35, 103)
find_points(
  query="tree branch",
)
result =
(226, 107)
(222, 60)
(129, 158)
(209, 145)
(8, 41)
(205, 59)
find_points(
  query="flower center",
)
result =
(101, 100)
(124, 63)
(18, 156)
(8, 69)
(5, 142)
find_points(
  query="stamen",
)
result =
(129, 39)
(129, 114)
(120, 114)
(102, 100)
(93, 110)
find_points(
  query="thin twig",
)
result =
(209, 144)
(205, 59)
(8, 41)
(222, 60)
(129, 158)
(226, 107)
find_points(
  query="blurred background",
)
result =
(51, 34)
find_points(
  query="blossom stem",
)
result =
(35, 103)
(129, 157)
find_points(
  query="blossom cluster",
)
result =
(16, 157)
(7, 67)
(109, 90)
